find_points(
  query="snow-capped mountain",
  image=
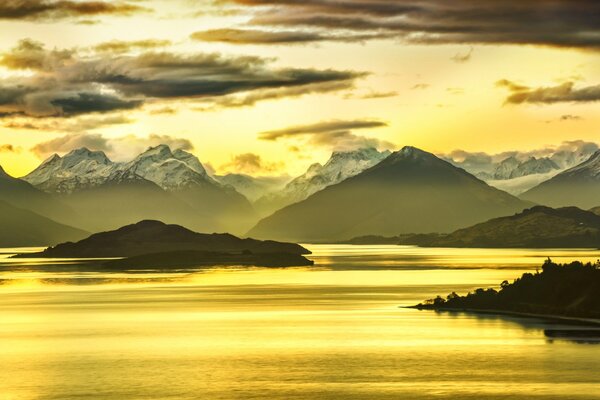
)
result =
(578, 186)
(171, 186)
(511, 168)
(169, 170)
(77, 170)
(83, 169)
(342, 165)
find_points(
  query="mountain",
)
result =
(24, 228)
(520, 171)
(535, 227)
(253, 187)
(505, 168)
(80, 169)
(148, 237)
(411, 191)
(341, 165)
(22, 194)
(158, 184)
(182, 175)
(578, 186)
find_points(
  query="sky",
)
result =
(268, 87)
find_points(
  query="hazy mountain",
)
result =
(340, 166)
(147, 237)
(23, 195)
(157, 184)
(505, 168)
(411, 191)
(517, 172)
(253, 187)
(24, 228)
(535, 227)
(578, 186)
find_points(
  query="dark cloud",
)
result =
(121, 148)
(570, 117)
(58, 9)
(335, 134)
(250, 163)
(420, 86)
(560, 23)
(9, 148)
(119, 46)
(255, 36)
(66, 83)
(565, 92)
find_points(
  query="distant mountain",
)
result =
(157, 184)
(411, 191)
(23, 195)
(148, 237)
(512, 168)
(24, 228)
(520, 172)
(341, 165)
(253, 187)
(578, 186)
(535, 227)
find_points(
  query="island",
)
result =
(154, 244)
(562, 291)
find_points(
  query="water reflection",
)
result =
(328, 332)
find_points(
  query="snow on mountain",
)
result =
(341, 165)
(505, 168)
(534, 166)
(75, 171)
(170, 171)
(82, 169)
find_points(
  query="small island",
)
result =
(154, 244)
(562, 291)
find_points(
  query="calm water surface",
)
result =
(334, 331)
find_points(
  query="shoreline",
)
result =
(553, 317)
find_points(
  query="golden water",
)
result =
(329, 332)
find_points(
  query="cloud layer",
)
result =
(565, 92)
(560, 23)
(336, 134)
(65, 83)
(118, 149)
(58, 9)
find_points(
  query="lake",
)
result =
(333, 331)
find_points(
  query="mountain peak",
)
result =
(162, 151)
(82, 153)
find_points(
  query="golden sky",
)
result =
(216, 77)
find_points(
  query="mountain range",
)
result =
(410, 191)
(578, 186)
(356, 193)
(518, 172)
(341, 165)
(159, 183)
